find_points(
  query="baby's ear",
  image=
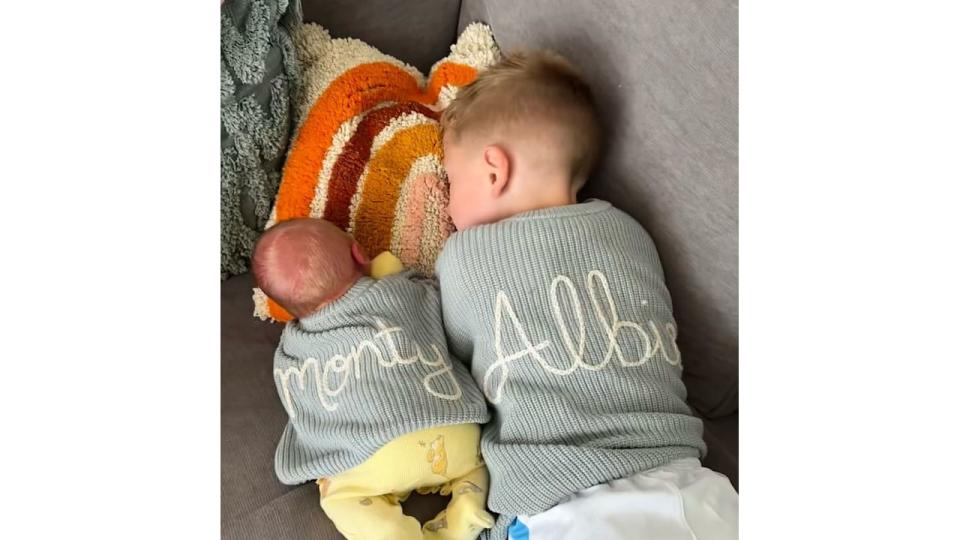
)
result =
(360, 257)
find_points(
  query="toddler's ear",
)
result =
(360, 257)
(497, 163)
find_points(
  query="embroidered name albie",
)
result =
(567, 323)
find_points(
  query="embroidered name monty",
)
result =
(333, 376)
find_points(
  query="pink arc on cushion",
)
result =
(415, 212)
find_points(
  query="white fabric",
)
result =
(679, 501)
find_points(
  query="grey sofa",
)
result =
(665, 75)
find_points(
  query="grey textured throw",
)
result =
(363, 370)
(258, 80)
(567, 324)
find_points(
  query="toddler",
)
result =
(562, 311)
(376, 406)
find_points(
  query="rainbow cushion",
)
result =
(366, 154)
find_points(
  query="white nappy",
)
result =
(679, 501)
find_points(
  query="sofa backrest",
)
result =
(418, 32)
(665, 78)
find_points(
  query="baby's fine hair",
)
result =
(300, 263)
(538, 89)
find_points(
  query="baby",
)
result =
(562, 311)
(376, 406)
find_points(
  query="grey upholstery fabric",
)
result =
(253, 502)
(419, 33)
(723, 444)
(665, 78)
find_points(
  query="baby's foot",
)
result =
(457, 524)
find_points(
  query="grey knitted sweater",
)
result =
(567, 323)
(363, 370)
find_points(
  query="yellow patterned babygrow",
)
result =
(364, 502)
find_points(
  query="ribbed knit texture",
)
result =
(381, 370)
(567, 420)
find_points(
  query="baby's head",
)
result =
(524, 135)
(303, 264)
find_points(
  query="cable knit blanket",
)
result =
(258, 81)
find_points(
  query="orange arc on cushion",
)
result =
(374, 217)
(353, 159)
(353, 92)
(450, 73)
(277, 311)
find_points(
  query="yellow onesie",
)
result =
(364, 502)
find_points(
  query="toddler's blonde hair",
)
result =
(539, 90)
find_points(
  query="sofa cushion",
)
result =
(367, 152)
(665, 78)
